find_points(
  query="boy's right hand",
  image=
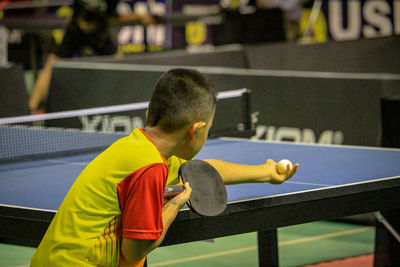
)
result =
(181, 199)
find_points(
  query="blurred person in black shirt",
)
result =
(86, 34)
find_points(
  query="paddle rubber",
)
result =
(209, 197)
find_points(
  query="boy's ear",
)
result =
(147, 114)
(195, 127)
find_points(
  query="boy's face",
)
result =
(191, 147)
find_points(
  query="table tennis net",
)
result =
(78, 131)
(33, 142)
(64, 133)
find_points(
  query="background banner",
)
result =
(307, 107)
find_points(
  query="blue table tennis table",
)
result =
(332, 182)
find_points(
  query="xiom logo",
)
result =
(271, 133)
(111, 124)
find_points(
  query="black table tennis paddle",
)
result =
(209, 197)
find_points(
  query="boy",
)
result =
(114, 214)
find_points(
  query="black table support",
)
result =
(268, 248)
(387, 247)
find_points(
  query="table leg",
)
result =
(268, 248)
(387, 247)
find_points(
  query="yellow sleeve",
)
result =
(174, 163)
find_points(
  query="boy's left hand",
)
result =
(271, 174)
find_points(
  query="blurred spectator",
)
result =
(87, 34)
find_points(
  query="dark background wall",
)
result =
(380, 55)
(13, 94)
(299, 106)
(233, 56)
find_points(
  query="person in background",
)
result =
(86, 34)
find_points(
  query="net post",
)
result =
(246, 109)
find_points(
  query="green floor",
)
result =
(298, 245)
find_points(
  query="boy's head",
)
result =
(180, 97)
(183, 98)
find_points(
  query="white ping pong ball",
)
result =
(282, 166)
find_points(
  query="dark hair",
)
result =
(181, 96)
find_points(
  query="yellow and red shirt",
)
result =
(118, 195)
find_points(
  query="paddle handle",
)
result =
(173, 190)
